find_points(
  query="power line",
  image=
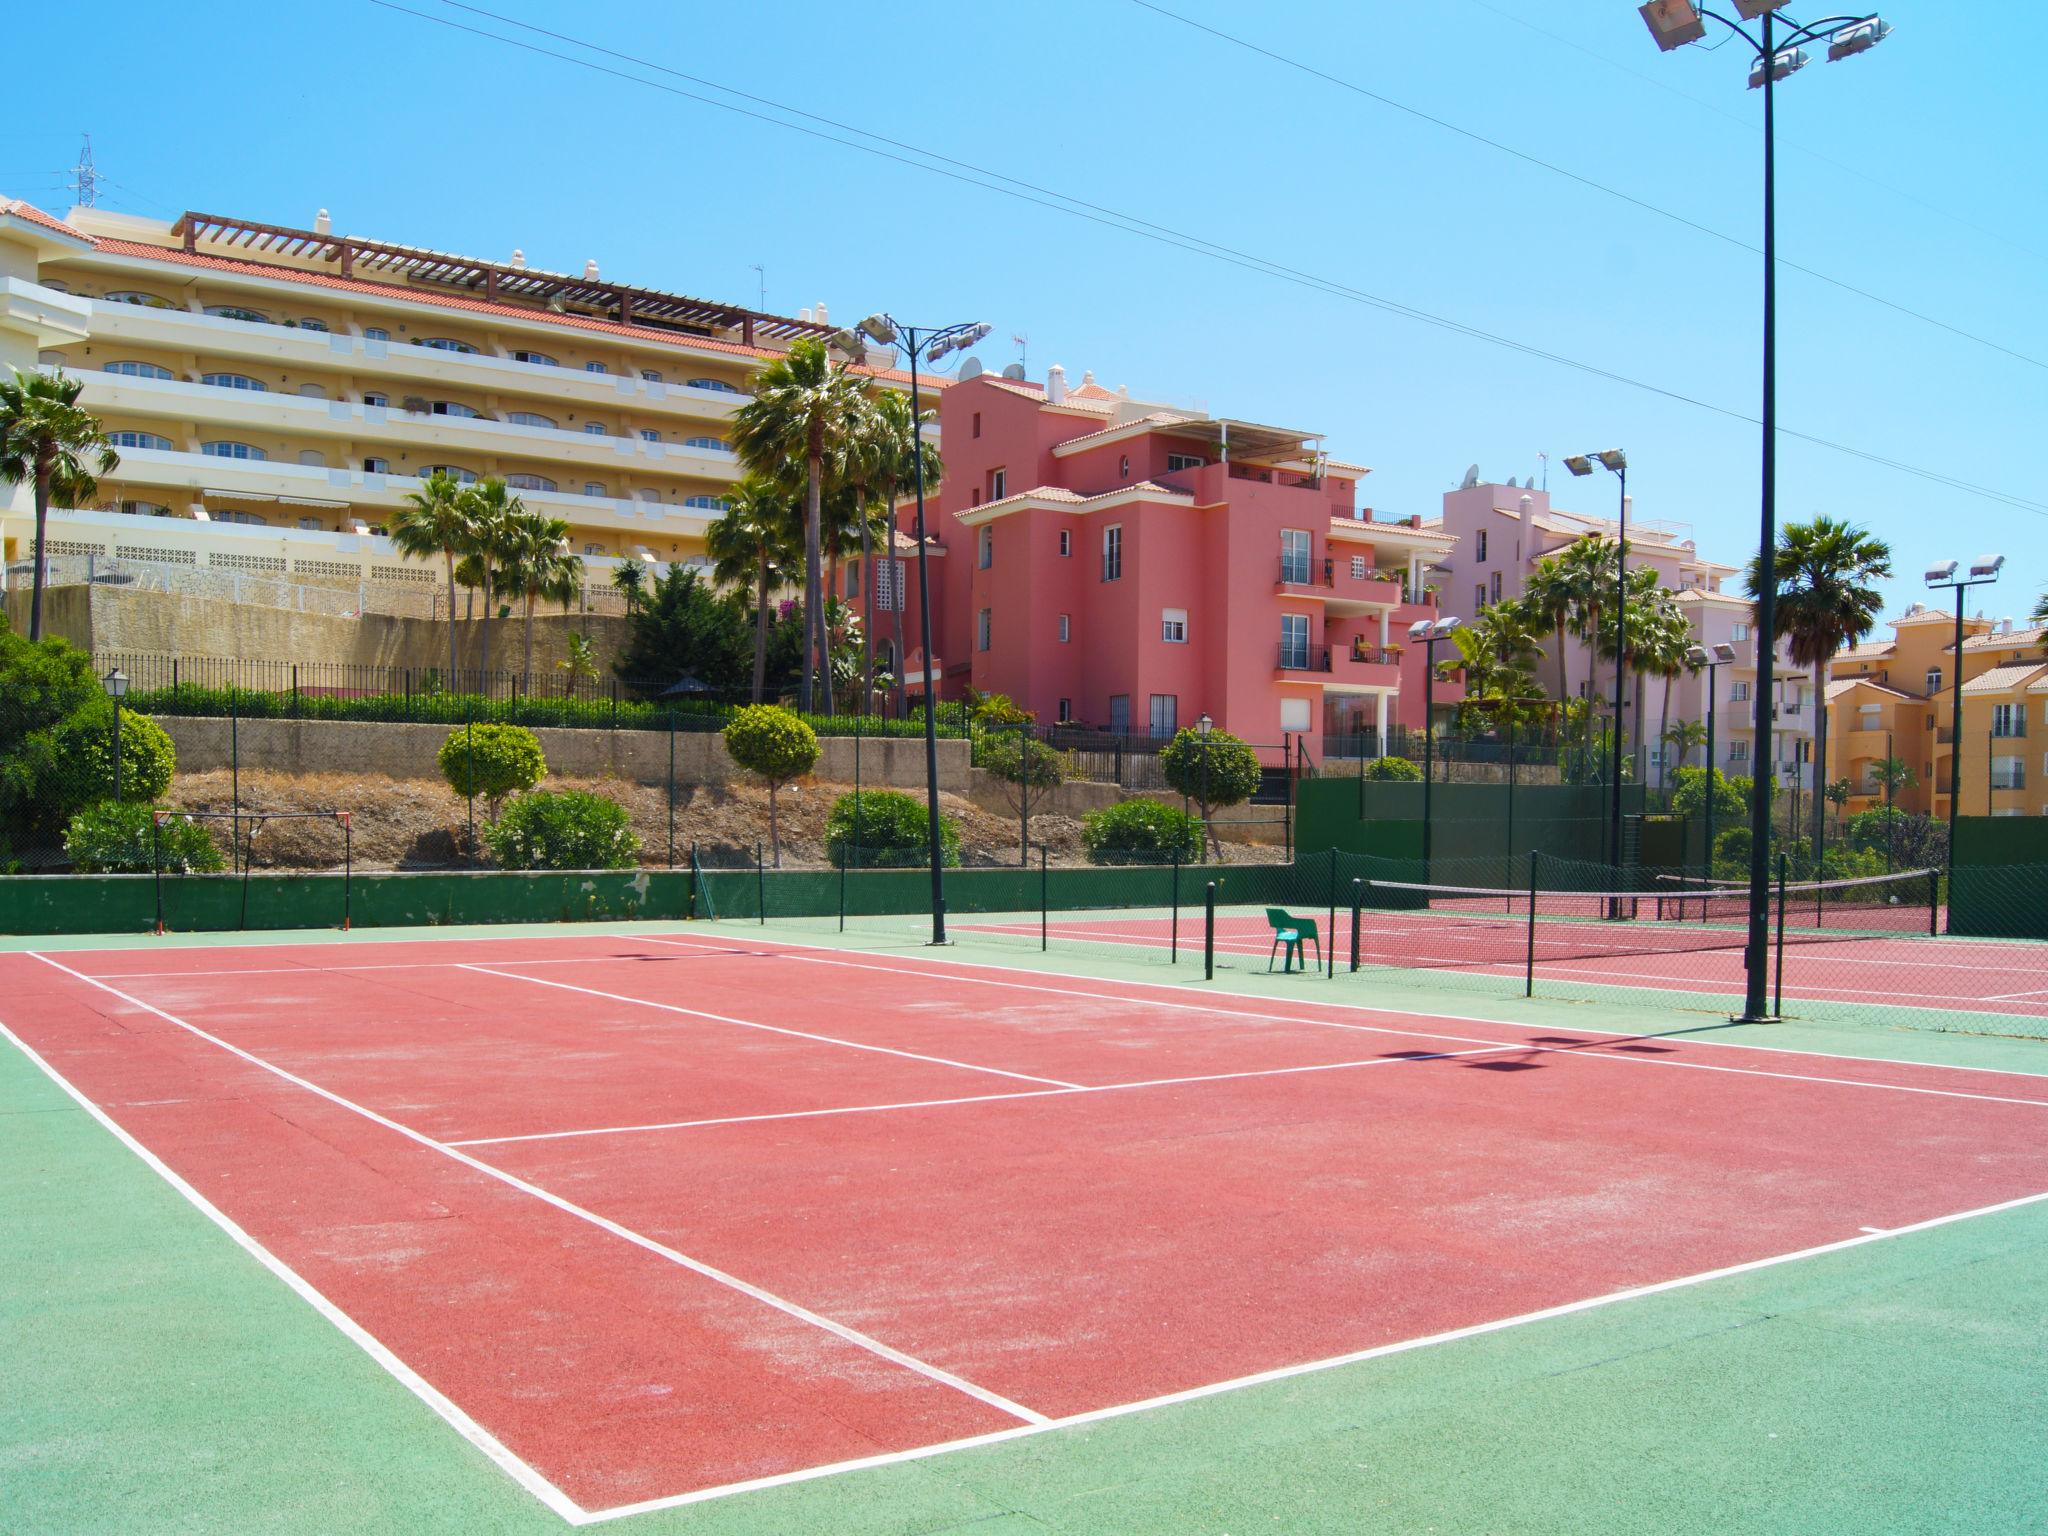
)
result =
(1585, 181)
(1007, 186)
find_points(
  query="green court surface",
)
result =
(161, 1379)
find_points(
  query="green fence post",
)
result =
(1209, 932)
(234, 777)
(1044, 904)
(696, 874)
(1173, 952)
(469, 747)
(1330, 933)
(1529, 965)
(1934, 902)
(156, 861)
(1357, 903)
(761, 881)
(348, 865)
(1784, 863)
(671, 787)
(842, 894)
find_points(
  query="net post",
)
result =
(842, 891)
(761, 882)
(248, 859)
(1330, 933)
(1044, 902)
(1529, 963)
(156, 863)
(348, 865)
(1778, 999)
(1173, 942)
(1357, 903)
(1934, 901)
(696, 875)
(1209, 932)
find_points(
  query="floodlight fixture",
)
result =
(1860, 38)
(1986, 567)
(1788, 62)
(879, 328)
(1696, 656)
(1941, 575)
(1580, 464)
(846, 341)
(1615, 460)
(976, 332)
(1750, 10)
(1674, 23)
(1443, 629)
(1724, 653)
(1420, 630)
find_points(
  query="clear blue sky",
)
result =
(409, 131)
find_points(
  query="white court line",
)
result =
(815, 955)
(775, 1029)
(310, 969)
(519, 1471)
(697, 1266)
(2011, 997)
(1289, 1372)
(984, 1098)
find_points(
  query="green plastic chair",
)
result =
(1292, 931)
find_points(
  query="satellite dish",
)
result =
(1471, 478)
(971, 369)
(1014, 371)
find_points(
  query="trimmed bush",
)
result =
(1395, 769)
(774, 744)
(1027, 768)
(492, 761)
(563, 829)
(886, 829)
(114, 837)
(1141, 832)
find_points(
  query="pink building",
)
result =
(1132, 567)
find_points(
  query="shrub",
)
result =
(1398, 769)
(1731, 796)
(81, 762)
(773, 743)
(563, 829)
(1141, 832)
(114, 837)
(886, 829)
(492, 761)
(1215, 771)
(1027, 768)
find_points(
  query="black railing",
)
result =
(1304, 658)
(1307, 573)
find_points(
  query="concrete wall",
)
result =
(407, 752)
(105, 619)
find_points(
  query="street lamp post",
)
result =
(116, 684)
(1427, 632)
(1203, 727)
(930, 343)
(1674, 24)
(1582, 465)
(1713, 660)
(1983, 571)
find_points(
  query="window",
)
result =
(133, 296)
(977, 424)
(1482, 546)
(889, 586)
(311, 524)
(312, 392)
(141, 440)
(593, 488)
(1358, 568)
(456, 408)
(1113, 552)
(233, 381)
(2008, 773)
(2008, 719)
(1934, 679)
(1478, 594)
(718, 444)
(595, 368)
(375, 333)
(1066, 542)
(140, 370)
(718, 385)
(143, 508)
(236, 312)
(1123, 467)
(1493, 587)
(1173, 626)
(375, 466)
(456, 471)
(217, 515)
(984, 548)
(530, 419)
(444, 344)
(375, 397)
(593, 549)
(1738, 692)
(1294, 714)
(1738, 751)
(1295, 549)
(1739, 632)
(706, 503)
(1294, 641)
(983, 629)
(1066, 711)
(223, 449)
(1178, 461)
(649, 435)
(530, 482)
(313, 325)
(312, 458)
(1066, 628)
(651, 375)
(1120, 714)
(595, 428)
(998, 484)
(538, 359)
(1164, 713)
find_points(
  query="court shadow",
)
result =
(1505, 1066)
(1647, 1050)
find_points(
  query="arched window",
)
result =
(463, 476)
(595, 368)
(530, 482)
(376, 466)
(312, 458)
(223, 448)
(539, 359)
(1933, 681)
(376, 398)
(375, 333)
(249, 518)
(649, 435)
(706, 503)
(237, 312)
(141, 440)
(718, 443)
(651, 375)
(313, 325)
(456, 408)
(719, 385)
(136, 296)
(312, 391)
(530, 419)
(143, 508)
(233, 381)
(593, 488)
(595, 428)
(593, 549)
(444, 344)
(140, 370)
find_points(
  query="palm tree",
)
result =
(753, 542)
(630, 582)
(2040, 613)
(1823, 572)
(1685, 736)
(537, 565)
(580, 665)
(46, 438)
(883, 464)
(431, 522)
(1549, 601)
(803, 409)
(1498, 655)
(491, 514)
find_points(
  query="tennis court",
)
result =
(678, 1215)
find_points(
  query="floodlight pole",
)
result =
(1983, 573)
(1620, 665)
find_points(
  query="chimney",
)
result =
(821, 312)
(1087, 377)
(804, 314)
(519, 259)
(590, 270)
(1414, 519)
(322, 225)
(1628, 505)
(1055, 385)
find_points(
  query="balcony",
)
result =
(1306, 576)
(1304, 658)
(1366, 669)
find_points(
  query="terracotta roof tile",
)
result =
(2003, 679)
(35, 215)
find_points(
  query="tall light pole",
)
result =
(1426, 633)
(1983, 571)
(1713, 661)
(930, 343)
(116, 684)
(1617, 462)
(1675, 24)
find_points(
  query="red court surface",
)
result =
(658, 1218)
(1985, 976)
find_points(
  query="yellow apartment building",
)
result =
(275, 392)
